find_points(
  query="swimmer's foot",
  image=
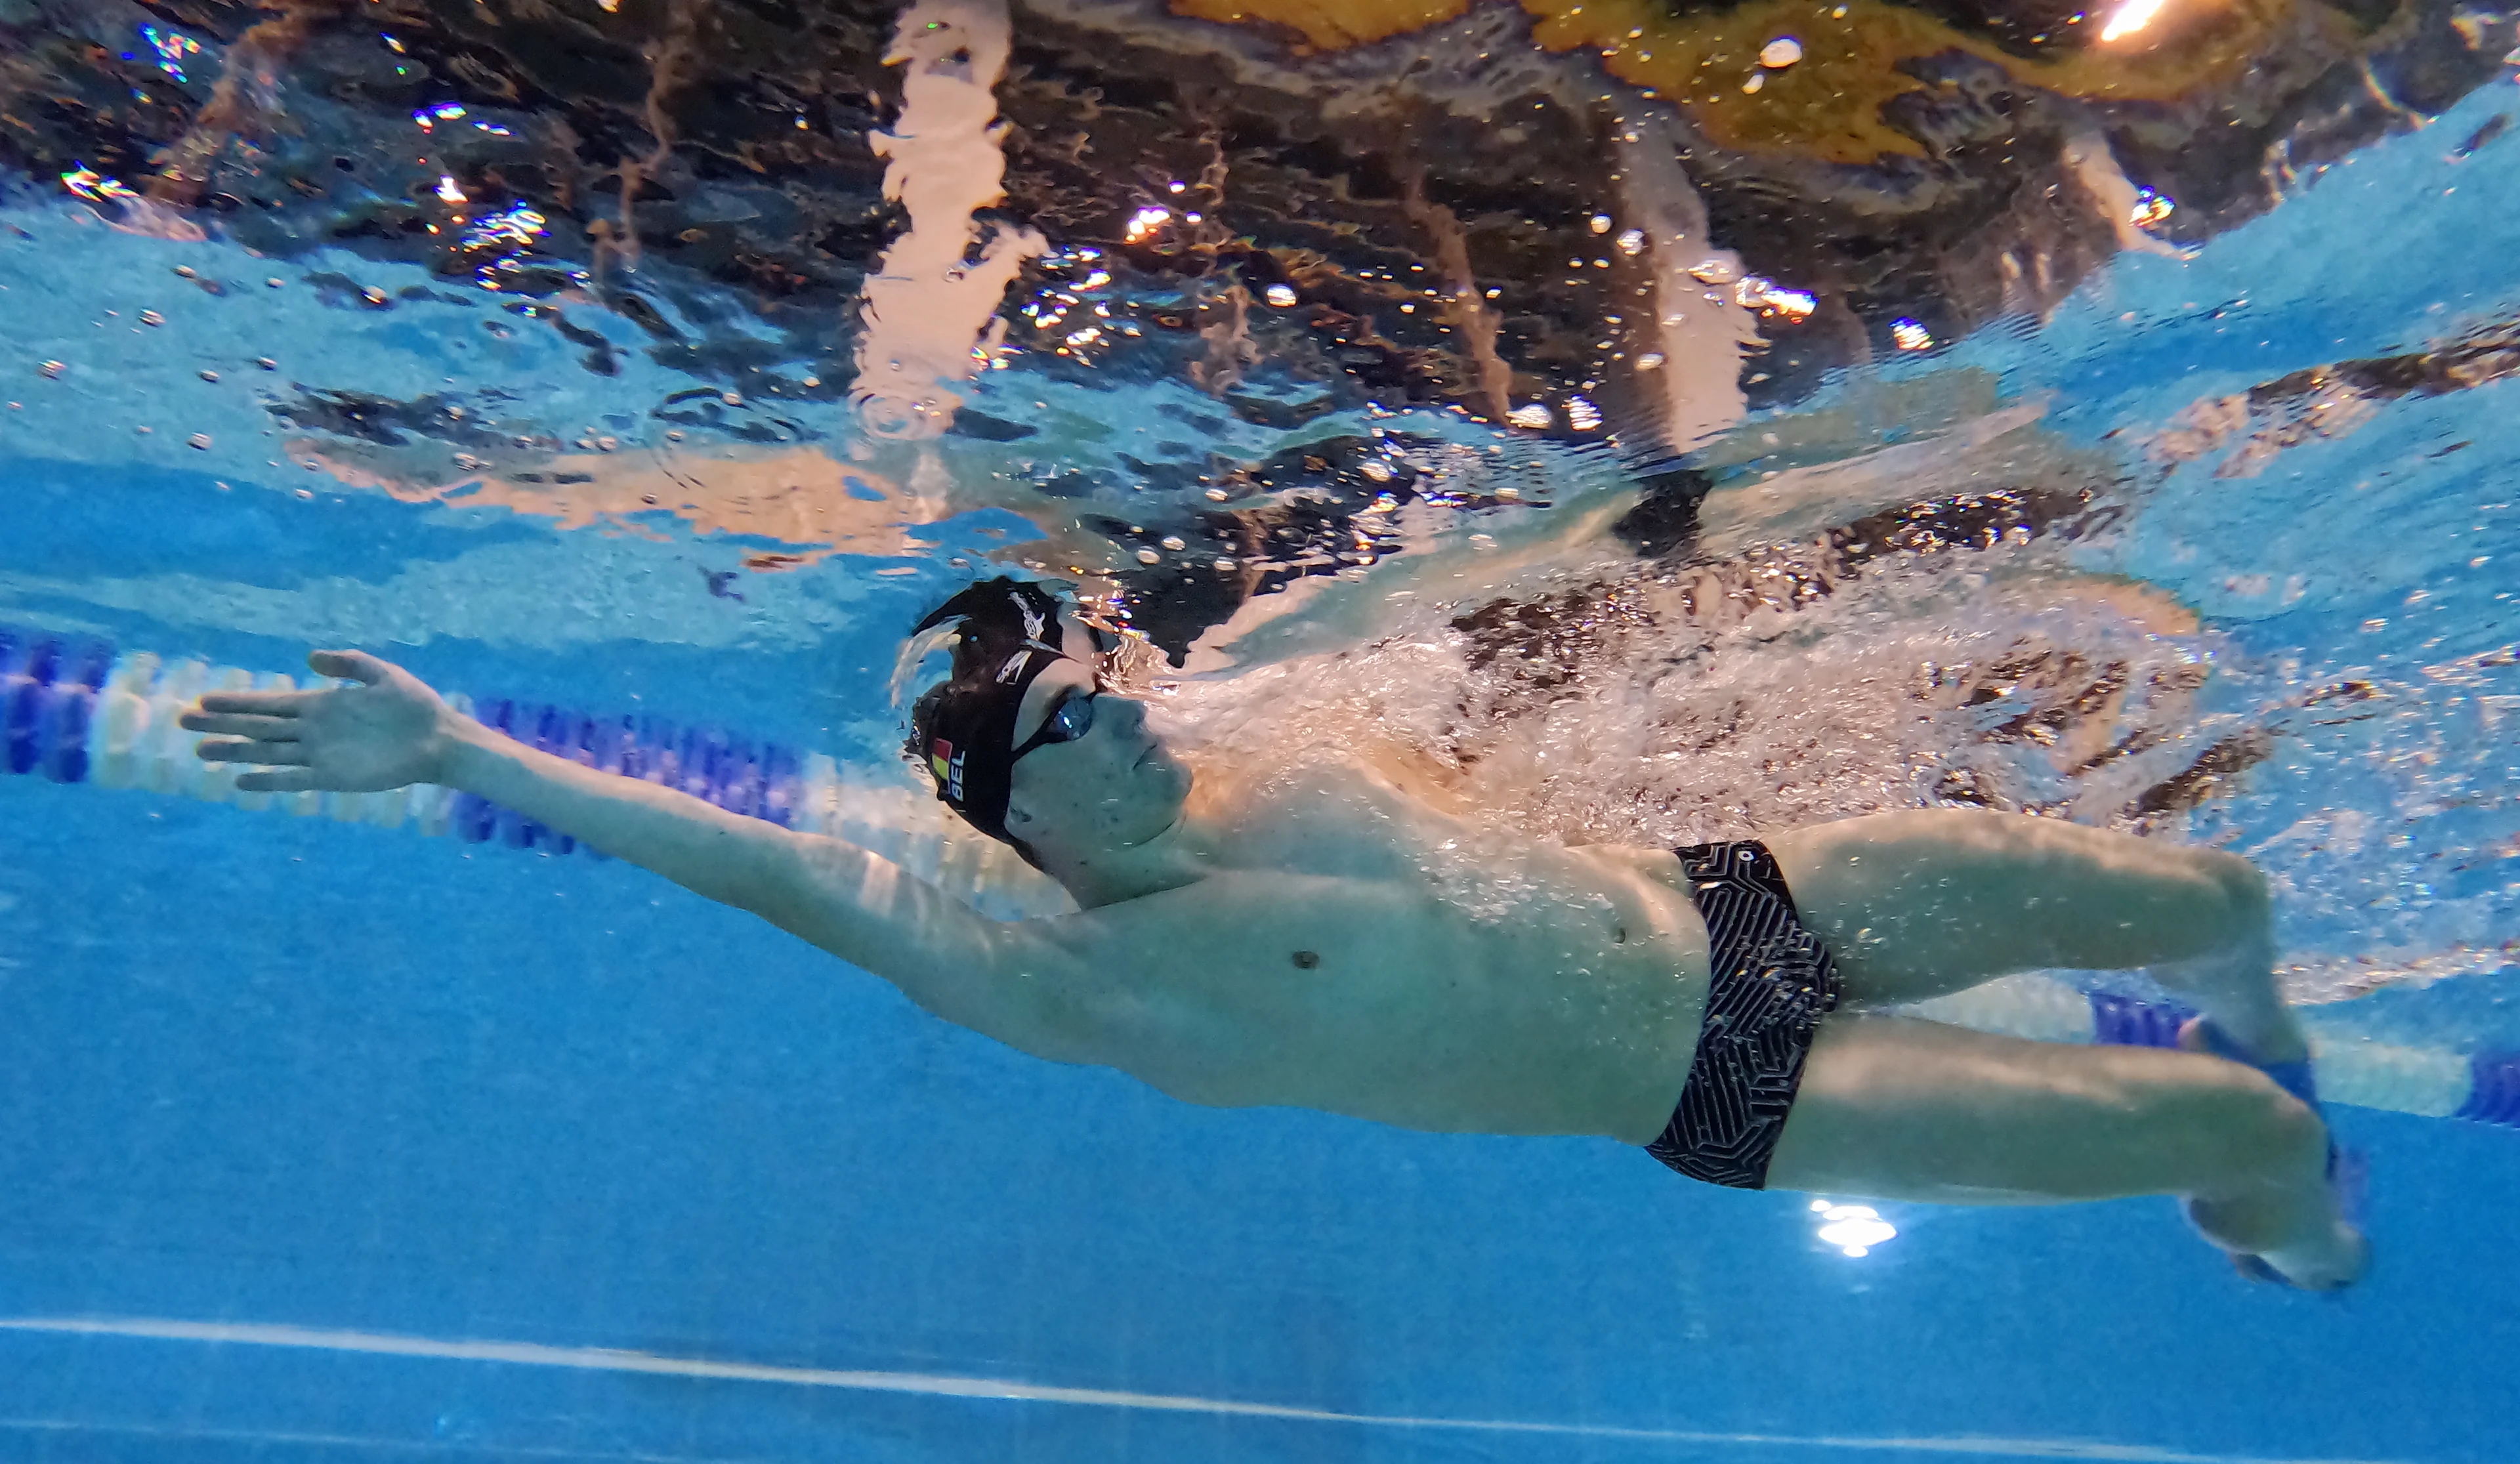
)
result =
(2335, 1253)
(2333, 1257)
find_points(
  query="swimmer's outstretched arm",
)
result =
(1018, 983)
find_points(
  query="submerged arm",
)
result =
(1008, 981)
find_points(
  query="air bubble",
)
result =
(209, 376)
(151, 318)
(198, 441)
(1149, 557)
(1280, 295)
(1174, 542)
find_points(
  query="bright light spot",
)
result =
(1631, 240)
(494, 129)
(1600, 223)
(1582, 415)
(2151, 207)
(1650, 361)
(447, 112)
(90, 185)
(1911, 336)
(1780, 52)
(1759, 292)
(1086, 336)
(1792, 303)
(1096, 280)
(1532, 414)
(1757, 80)
(173, 49)
(447, 189)
(391, 43)
(2129, 18)
(1146, 221)
(518, 226)
(1280, 295)
(1175, 187)
(1853, 1228)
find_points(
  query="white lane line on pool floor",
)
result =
(613, 1360)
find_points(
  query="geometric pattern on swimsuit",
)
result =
(1770, 983)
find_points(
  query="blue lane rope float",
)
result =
(76, 711)
(72, 710)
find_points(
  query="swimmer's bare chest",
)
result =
(1361, 953)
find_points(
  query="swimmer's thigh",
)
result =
(1924, 902)
(1899, 1109)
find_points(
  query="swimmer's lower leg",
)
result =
(1897, 1108)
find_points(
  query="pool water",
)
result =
(2193, 515)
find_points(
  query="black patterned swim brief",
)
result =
(1770, 983)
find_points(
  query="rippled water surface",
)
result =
(1658, 420)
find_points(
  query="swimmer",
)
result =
(1304, 939)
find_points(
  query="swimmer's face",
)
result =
(1115, 786)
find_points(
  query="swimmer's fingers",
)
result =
(251, 703)
(234, 724)
(282, 754)
(294, 780)
(350, 665)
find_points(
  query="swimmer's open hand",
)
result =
(386, 731)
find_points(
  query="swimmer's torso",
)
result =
(1359, 951)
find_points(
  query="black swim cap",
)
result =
(963, 732)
